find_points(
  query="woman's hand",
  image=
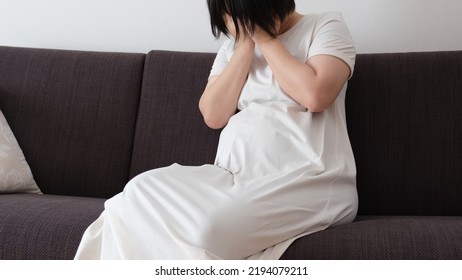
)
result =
(260, 36)
(230, 26)
(244, 40)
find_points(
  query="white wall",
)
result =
(142, 25)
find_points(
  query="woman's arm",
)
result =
(219, 100)
(314, 84)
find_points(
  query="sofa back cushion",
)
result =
(404, 114)
(170, 128)
(73, 114)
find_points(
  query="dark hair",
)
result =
(250, 13)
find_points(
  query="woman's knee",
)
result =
(223, 229)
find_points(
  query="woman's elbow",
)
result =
(212, 120)
(318, 102)
(317, 108)
(214, 123)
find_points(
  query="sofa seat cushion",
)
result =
(369, 237)
(44, 226)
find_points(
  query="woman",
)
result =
(284, 166)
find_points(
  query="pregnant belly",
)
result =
(264, 139)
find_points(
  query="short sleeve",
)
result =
(332, 37)
(222, 58)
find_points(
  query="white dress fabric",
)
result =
(280, 172)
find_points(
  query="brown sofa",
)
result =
(87, 122)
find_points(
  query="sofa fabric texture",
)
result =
(73, 114)
(173, 83)
(405, 125)
(384, 238)
(88, 122)
(44, 227)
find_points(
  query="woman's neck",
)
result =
(289, 22)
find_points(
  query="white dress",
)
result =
(280, 172)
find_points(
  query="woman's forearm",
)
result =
(315, 84)
(219, 100)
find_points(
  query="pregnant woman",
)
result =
(284, 167)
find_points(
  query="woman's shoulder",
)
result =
(310, 23)
(323, 17)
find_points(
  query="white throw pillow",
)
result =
(15, 173)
